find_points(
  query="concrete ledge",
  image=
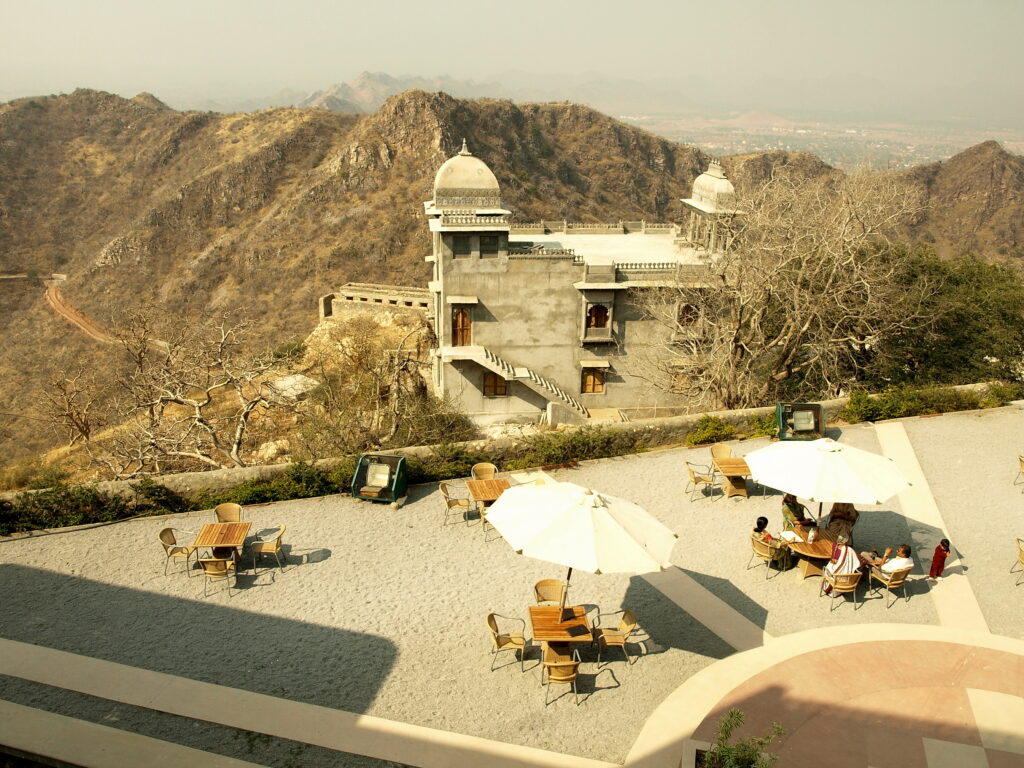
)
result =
(64, 741)
(282, 718)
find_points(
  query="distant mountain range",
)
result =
(836, 98)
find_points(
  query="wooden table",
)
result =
(551, 625)
(486, 491)
(735, 471)
(222, 535)
(819, 549)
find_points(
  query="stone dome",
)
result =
(714, 190)
(465, 181)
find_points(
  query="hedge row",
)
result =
(65, 505)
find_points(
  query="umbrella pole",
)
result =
(565, 592)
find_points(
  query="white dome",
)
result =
(714, 190)
(465, 180)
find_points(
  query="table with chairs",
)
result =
(559, 633)
(218, 546)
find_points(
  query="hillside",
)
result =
(263, 212)
(141, 205)
(975, 202)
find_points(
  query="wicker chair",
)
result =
(175, 551)
(617, 637)
(721, 451)
(890, 581)
(559, 671)
(842, 583)
(507, 641)
(217, 568)
(1020, 562)
(483, 471)
(453, 504)
(699, 476)
(549, 591)
(228, 513)
(269, 547)
(769, 552)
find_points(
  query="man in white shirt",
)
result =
(887, 564)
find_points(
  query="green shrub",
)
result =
(710, 429)
(898, 402)
(47, 477)
(301, 481)
(550, 448)
(63, 505)
(444, 462)
(153, 498)
(763, 426)
(744, 753)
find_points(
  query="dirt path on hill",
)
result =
(56, 301)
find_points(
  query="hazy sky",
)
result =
(255, 47)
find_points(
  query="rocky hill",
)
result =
(975, 202)
(141, 204)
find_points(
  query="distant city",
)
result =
(891, 146)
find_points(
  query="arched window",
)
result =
(597, 316)
(462, 328)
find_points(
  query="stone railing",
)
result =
(582, 227)
(538, 250)
(449, 220)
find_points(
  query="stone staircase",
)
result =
(531, 378)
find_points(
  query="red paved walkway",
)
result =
(888, 704)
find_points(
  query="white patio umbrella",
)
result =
(824, 470)
(579, 528)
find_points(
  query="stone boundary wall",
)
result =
(371, 295)
(669, 430)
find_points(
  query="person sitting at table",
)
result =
(761, 530)
(841, 519)
(844, 560)
(794, 514)
(884, 563)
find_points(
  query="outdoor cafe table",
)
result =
(735, 471)
(553, 624)
(485, 491)
(214, 535)
(813, 551)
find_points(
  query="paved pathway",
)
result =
(954, 599)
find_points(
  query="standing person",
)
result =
(939, 560)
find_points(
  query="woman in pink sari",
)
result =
(844, 560)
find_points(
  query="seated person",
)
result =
(888, 564)
(761, 532)
(794, 514)
(844, 560)
(841, 519)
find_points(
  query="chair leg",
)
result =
(751, 560)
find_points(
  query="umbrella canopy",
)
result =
(824, 470)
(573, 526)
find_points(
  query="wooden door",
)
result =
(462, 328)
